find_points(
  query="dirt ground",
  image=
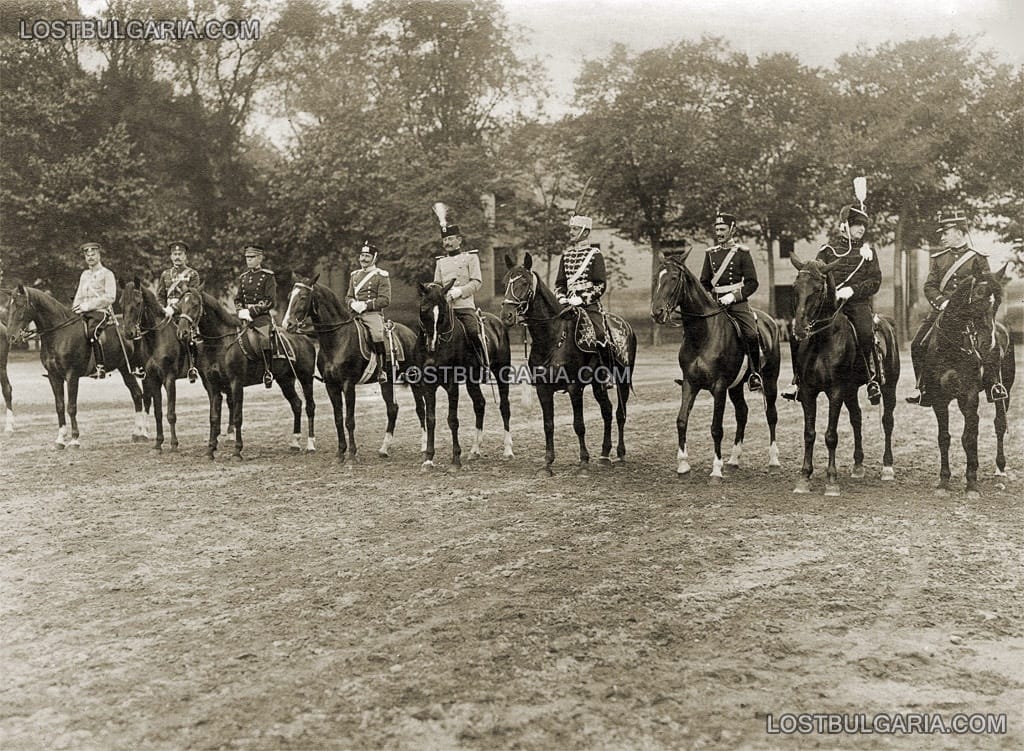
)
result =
(161, 601)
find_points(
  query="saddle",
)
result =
(95, 321)
(392, 344)
(253, 343)
(761, 342)
(618, 333)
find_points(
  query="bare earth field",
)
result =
(162, 601)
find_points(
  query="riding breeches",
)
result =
(863, 319)
(471, 322)
(744, 316)
(919, 346)
(374, 321)
(596, 315)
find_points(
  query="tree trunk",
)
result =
(769, 239)
(655, 338)
(898, 304)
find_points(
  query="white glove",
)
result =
(78, 309)
(944, 304)
(866, 253)
(168, 311)
(563, 300)
(844, 293)
(358, 306)
(455, 293)
(245, 315)
(727, 299)
(575, 300)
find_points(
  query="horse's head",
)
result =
(435, 312)
(301, 305)
(815, 293)
(520, 285)
(133, 305)
(671, 281)
(190, 310)
(19, 312)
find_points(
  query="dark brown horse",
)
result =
(712, 357)
(957, 346)
(344, 364)
(67, 356)
(226, 369)
(557, 363)
(158, 352)
(1007, 360)
(828, 361)
(446, 358)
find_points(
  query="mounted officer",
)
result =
(255, 299)
(177, 279)
(858, 277)
(950, 266)
(581, 278)
(97, 290)
(369, 293)
(730, 276)
(462, 267)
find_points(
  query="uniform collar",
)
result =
(584, 245)
(368, 269)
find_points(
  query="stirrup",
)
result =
(790, 392)
(193, 374)
(874, 391)
(139, 373)
(914, 397)
(100, 373)
(268, 379)
(998, 393)
(754, 382)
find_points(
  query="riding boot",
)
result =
(193, 372)
(378, 348)
(275, 348)
(793, 389)
(754, 354)
(873, 389)
(101, 370)
(995, 391)
(268, 377)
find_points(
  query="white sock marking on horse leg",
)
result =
(296, 441)
(385, 447)
(433, 339)
(9, 422)
(477, 438)
(716, 467)
(311, 445)
(508, 453)
(684, 465)
(140, 424)
(62, 436)
(423, 441)
(74, 443)
(773, 455)
(734, 457)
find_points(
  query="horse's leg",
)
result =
(506, 412)
(578, 423)
(546, 397)
(605, 402)
(689, 394)
(856, 419)
(453, 423)
(430, 418)
(237, 397)
(739, 403)
(57, 386)
(969, 409)
(771, 413)
(621, 399)
(287, 386)
(941, 409)
(140, 433)
(349, 389)
(1000, 425)
(835, 408)
(888, 406)
(809, 401)
(152, 387)
(171, 387)
(216, 398)
(307, 395)
(717, 433)
(476, 394)
(387, 391)
(334, 392)
(5, 387)
(419, 401)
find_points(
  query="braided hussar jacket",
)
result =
(581, 272)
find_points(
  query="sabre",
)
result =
(583, 194)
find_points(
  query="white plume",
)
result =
(860, 189)
(441, 211)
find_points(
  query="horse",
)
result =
(828, 361)
(67, 355)
(446, 358)
(158, 351)
(1007, 367)
(5, 349)
(712, 357)
(345, 365)
(226, 369)
(557, 363)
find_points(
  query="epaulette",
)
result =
(744, 248)
(471, 251)
(267, 271)
(438, 258)
(936, 255)
(978, 252)
(382, 272)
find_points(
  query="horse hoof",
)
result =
(832, 491)
(209, 455)
(1000, 473)
(683, 469)
(157, 447)
(857, 473)
(802, 487)
(942, 492)
(888, 474)
(605, 460)
(236, 457)
(474, 455)
(508, 455)
(383, 454)
(973, 495)
(173, 447)
(294, 449)
(427, 466)
(544, 473)
(310, 451)
(715, 480)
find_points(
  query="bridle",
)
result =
(22, 335)
(142, 329)
(311, 309)
(818, 323)
(522, 304)
(437, 335)
(674, 298)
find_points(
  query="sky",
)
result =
(563, 33)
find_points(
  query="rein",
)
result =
(676, 302)
(324, 328)
(817, 325)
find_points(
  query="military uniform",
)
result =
(257, 291)
(864, 278)
(173, 282)
(463, 267)
(97, 290)
(581, 273)
(739, 278)
(373, 287)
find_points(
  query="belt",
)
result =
(726, 289)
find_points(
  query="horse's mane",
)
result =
(39, 296)
(331, 297)
(219, 310)
(705, 297)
